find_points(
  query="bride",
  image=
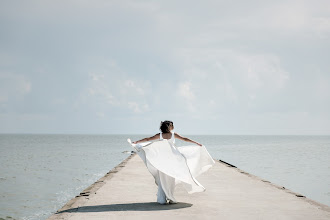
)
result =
(171, 165)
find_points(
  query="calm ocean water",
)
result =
(40, 173)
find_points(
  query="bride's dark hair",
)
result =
(165, 126)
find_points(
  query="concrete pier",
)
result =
(129, 192)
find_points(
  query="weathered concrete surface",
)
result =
(230, 194)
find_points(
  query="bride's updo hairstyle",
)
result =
(165, 126)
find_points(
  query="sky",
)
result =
(120, 67)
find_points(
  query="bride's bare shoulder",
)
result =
(177, 135)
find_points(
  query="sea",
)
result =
(39, 173)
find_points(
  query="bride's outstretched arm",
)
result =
(155, 137)
(186, 139)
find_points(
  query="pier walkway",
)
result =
(129, 192)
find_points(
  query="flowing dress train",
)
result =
(171, 165)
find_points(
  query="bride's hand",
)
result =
(134, 142)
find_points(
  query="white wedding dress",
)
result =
(171, 165)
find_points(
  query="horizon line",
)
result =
(20, 133)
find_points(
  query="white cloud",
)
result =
(138, 87)
(321, 25)
(13, 86)
(224, 81)
(100, 114)
(213, 59)
(262, 71)
(217, 68)
(96, 77)
(138, 108)
(185, 91)
(112, 88)
(100, 89)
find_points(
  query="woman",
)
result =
(170, 164)
(166, 127)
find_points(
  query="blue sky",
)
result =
(120, 67)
